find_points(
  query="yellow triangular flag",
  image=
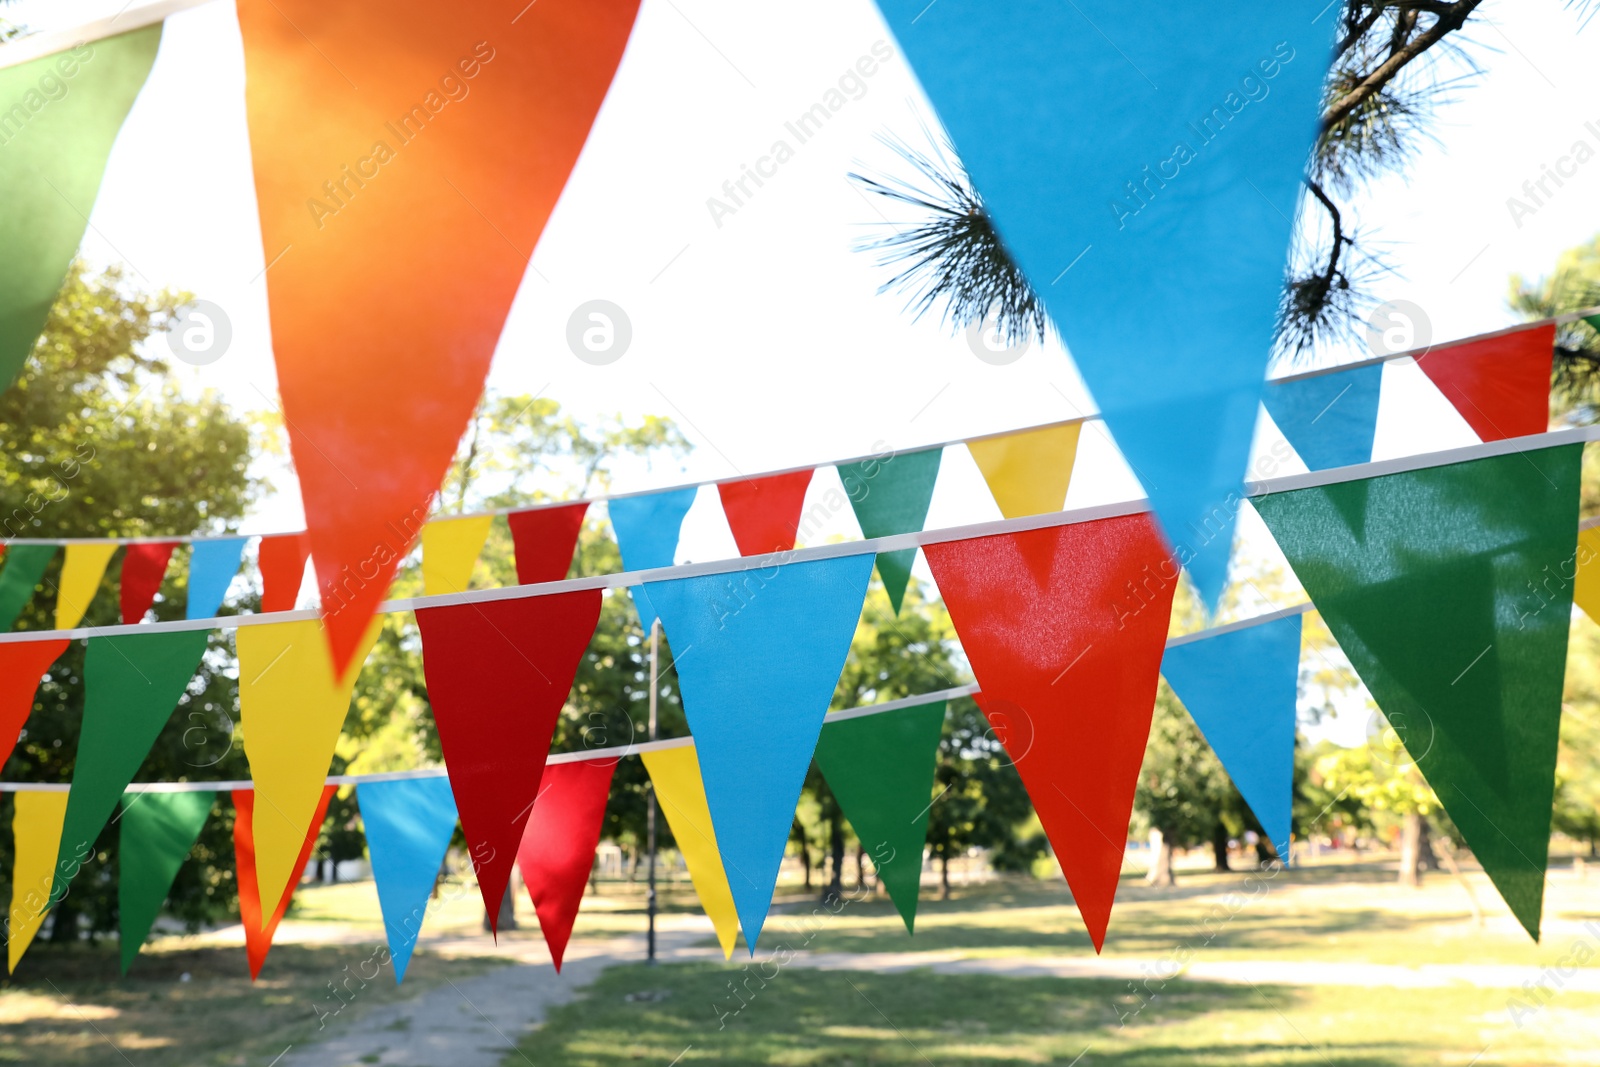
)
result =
(675, 773)
(81, 571)
(291, 708)
(1028, 472)
(1586, 586)
(36, 829)
(450, 548)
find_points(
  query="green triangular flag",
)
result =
(65, 112)
(1445, 588)
(890, 496)
(881, 766)
(24, 566)
(158, 830)
(131, 683)
(1593, 321)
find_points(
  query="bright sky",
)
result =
(762, 333)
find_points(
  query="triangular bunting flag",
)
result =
(131, 685)
(1184, 176)
(450, 549)
(1501, 384)
(557, 850)
(408, 823)
(646, 528)
(1585, 586)
(1439, 597)
(388, 288)
(212, 565)
(545, 540)
(498, 675)
(258, 926)
(22, 667)
(675, 777)
(158, 830)
(52, 157)
(891, 496)
(881, 769)
(291, 707)
(81, 571)
(764, 513)
(144, 564)
(758, 654)
(1240, 688)
(282, 560)
(1330, 419)
(19, 577)
(1064, 628)
(1028, 472)
(36, 837)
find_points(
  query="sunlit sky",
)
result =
(762, 333)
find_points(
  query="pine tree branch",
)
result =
(1450, 17)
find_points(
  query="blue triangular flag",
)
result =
(647, 528)
(408, 824)
(1330, 419)
(1240, 688)
(1162, 142)
(212, 565)
(758, 653)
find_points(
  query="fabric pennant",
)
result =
(1186, 140)
(1501, 384)
(131, 686)
(390, 285)
(764, 513)
(53, 155)
(1241, 688)
(498, 674)
(881, 769)
(36, 838)
(282, 560)
(1436, 584)
(22, 667)
(259, 926)
(1330, 419)
(1028, 472)
(157, 832)
(675, 777)
(546, 539)
(891, 496)
(144, 564)
(408, 823)
(212, 565)
(82, 568)
(450, 549)
(1585, 586)
(1064, 627)
(758, 656)
(557, 850)
(646, 528)
(23, 569)
(291, 707)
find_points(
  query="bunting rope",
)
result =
(892, 543)
(36, 46)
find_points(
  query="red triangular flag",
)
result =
(545, 540)
(1065, 628)
(397, 229)
(144, 564)
(258, 941)
(557, 850)
(282, 559)
(1500, 385)
(22, 667)
(764, 513)
(498, 674)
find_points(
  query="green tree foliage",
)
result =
(1573, 285)
(1577, 809)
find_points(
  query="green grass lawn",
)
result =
(685, 1014)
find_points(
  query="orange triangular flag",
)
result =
(258, 935)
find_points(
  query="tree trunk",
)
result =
(1416, 850)
(508, 913)
(1219, 846)
(65, 926)
(1266, 851)
(861, 868)
(805, 861)
(1160, 861)
(944, 873)
(835, 890)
